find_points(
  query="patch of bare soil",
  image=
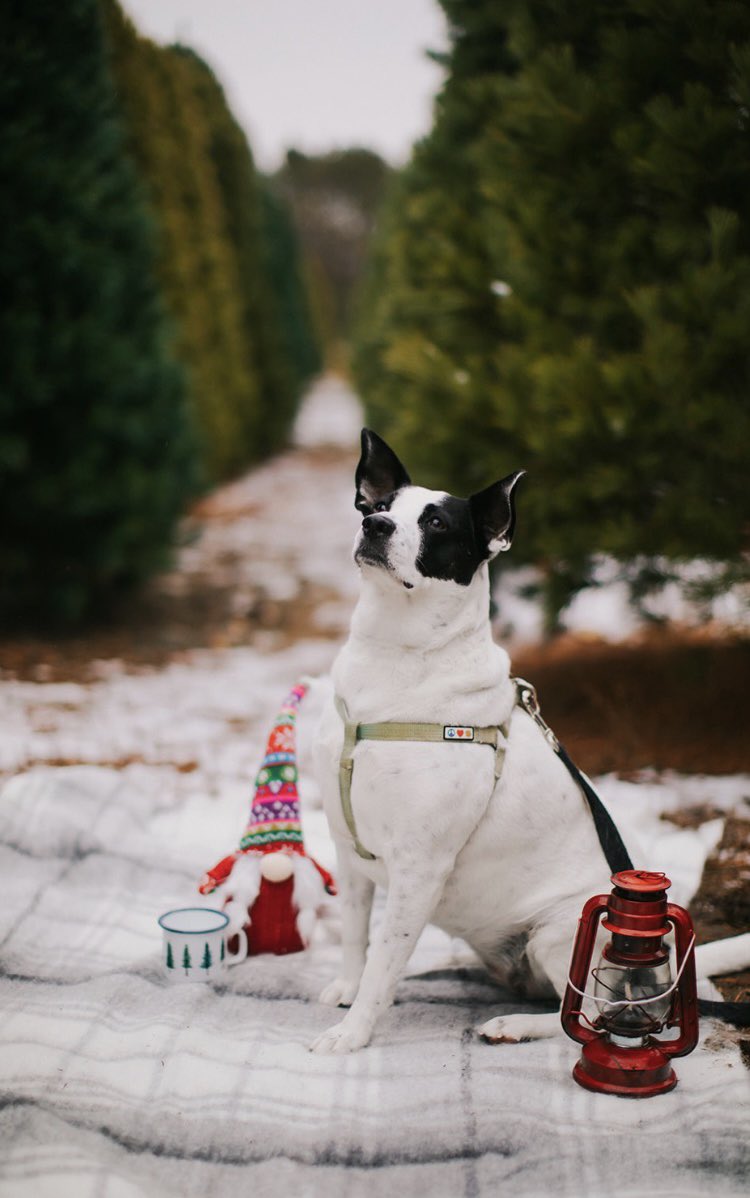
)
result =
(671, 699)
(157, 628)
(722, 905)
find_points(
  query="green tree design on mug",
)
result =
(186, 962)
(207, 962)
(170, 956)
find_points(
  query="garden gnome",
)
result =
(271, 889)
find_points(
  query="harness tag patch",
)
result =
(457, 732)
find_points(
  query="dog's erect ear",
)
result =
(379, 473)
(494, 514)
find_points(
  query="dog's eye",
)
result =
(438, 522)
(380, 507)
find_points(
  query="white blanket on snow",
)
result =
(116, 1083)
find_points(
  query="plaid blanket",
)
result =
(116, 1083)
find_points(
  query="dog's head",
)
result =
(416, 535)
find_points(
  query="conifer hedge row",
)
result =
(153, 321)
(237, 302)
(96, 450)
(563, 279)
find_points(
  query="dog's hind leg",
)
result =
(412, 897)
(356, 892)
(548, 954)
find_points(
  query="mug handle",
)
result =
(235, 958)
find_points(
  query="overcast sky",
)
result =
(313, 74)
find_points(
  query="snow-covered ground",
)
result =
(122, 789)
(604, 609)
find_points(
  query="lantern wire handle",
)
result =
(638, 1002)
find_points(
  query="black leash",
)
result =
(618, 858)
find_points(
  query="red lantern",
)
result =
(633, 989)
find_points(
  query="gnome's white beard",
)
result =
(309, 894)
(243, 885)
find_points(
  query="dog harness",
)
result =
(495, 736)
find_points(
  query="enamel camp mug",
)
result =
(194, 945)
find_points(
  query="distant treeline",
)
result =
(335, 199)
(155, 323)
(562, 281)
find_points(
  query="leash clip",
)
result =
(527, 697)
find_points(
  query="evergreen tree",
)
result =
(207, 961)
(186, 960)
(229, 167)
(602, 179)
(170, 955)
(268, 420)
(615, 171)
(335, 199)
(428, 317)
(169, 139)
(206, 198)
(283, 266)
(95, 448)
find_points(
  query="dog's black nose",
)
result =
(378, 525)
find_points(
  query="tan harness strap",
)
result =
(346, 769)
(495, 737)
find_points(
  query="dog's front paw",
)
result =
(514, 1029)
(339, 993)
(341, 1038)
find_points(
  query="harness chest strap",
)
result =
(495, 737)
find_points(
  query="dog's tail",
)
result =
(721, 957)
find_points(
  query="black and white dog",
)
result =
(507, 861)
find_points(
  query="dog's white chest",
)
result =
(410, 798)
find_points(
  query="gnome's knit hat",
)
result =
(274, 822)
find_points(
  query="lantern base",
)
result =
(637, 1072)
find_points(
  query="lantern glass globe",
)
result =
(617, 982)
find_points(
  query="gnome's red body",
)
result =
(273, 921)
(272, 907)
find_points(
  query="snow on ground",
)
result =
(331, 415)
(603, 609)
(283, 532)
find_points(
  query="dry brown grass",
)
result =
(669, 700)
